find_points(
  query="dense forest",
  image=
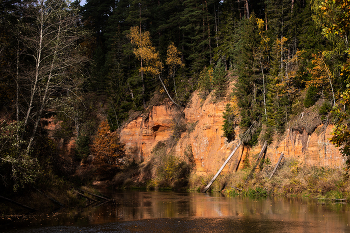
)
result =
(116, 57)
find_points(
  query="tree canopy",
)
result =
(60, 59)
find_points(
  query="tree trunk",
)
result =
(257, 161)
(262, 71)
(278, 163)
(247, 8)
(222, 167)
(46, 92)
(167, 91)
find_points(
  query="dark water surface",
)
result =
(135, 211)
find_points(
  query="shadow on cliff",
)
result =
(162, 171)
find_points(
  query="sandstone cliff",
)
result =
(204, 138)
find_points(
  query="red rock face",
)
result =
(204, 139)
(143, 133)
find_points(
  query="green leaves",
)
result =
(17, 168)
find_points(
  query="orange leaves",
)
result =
(106, 146)
(139, 39)
(320, 72)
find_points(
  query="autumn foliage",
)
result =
(145, 52)
(106, 147)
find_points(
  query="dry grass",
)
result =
(291, 179)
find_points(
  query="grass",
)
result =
(292, 179)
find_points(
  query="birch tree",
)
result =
(149, 58)
(173, 61)
(51, 35)
(47, 56)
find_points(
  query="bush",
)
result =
(325, 108)
(257, 192)
(173, 173)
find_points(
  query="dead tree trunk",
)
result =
(278, 163)
(257, 161)
(222, 167)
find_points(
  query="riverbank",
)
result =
(292, 179)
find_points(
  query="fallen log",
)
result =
(257, 161)
(89, 198)
(228, 159)
(222, 167)
(19, 204)
(239, 161)
(50, 198)
(278, 163)
(104, 198)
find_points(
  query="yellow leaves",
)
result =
(149, 57)
(144, 50)
(173, 59)
(138, 38)
(260, 23)
(333, 16)
(345, 98)
(234, 105)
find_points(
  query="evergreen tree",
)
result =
(249, 88)
(197, 25)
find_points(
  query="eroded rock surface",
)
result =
(204, 138)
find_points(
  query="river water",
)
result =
(137, 211)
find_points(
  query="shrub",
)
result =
(172, 172)
(325, 108)
(257, 192)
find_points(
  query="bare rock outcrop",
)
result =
(204, 138)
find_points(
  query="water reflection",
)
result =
(194, 209)
(147, 205)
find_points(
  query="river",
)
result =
(138, 211)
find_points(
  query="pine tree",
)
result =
(249, 88)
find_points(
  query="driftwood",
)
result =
(222, 167)
(97, 204)
(257, 161)
(104, 198)
(50, 198)
(278, 163)
(89, 198)
(19, 204)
